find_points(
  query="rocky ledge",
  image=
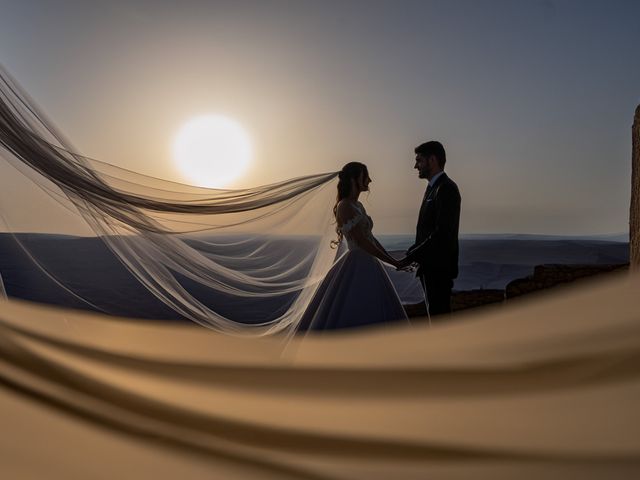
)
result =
(544, 277)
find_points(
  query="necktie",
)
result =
(426, 194)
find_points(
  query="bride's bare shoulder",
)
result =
(346, 210)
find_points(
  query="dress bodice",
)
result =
(361, 221)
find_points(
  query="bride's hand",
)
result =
(404, 264)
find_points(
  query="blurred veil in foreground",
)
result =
(234, 260)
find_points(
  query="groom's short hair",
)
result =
(433, 148)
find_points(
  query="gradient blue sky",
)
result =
(533, 99)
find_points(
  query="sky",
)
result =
(533, 100)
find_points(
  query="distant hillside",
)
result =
(89, 268)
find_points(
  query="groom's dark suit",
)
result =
(436, 246)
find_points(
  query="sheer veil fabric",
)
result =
(267, 244)
(545, 388)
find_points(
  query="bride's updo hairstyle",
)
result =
(351, 171)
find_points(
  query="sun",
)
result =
(212, 151)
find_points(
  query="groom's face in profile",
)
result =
(425, 165)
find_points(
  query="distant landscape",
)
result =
(492, 261)
(486, 262)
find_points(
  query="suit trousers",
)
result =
(437, 293)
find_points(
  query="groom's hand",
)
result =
(403, 263)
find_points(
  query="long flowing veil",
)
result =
(237, 261)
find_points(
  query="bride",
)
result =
(356, 291)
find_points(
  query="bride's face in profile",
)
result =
(362, 182)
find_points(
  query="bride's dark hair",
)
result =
(351, 171)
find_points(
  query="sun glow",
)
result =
(212, 151)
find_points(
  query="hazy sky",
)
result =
(532, 99)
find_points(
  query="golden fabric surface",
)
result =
(544, 387)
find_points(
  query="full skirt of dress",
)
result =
(356, 292)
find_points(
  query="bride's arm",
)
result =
(370, 246)
(359, 234)
(379, 245)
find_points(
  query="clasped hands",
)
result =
(406, 265)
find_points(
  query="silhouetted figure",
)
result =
(436, 246)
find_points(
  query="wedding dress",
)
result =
(357, 290)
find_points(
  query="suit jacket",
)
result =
(436, 246)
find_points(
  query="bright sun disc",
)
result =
(212, 151)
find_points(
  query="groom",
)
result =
(436, 246)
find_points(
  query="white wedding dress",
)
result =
(357, 290)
